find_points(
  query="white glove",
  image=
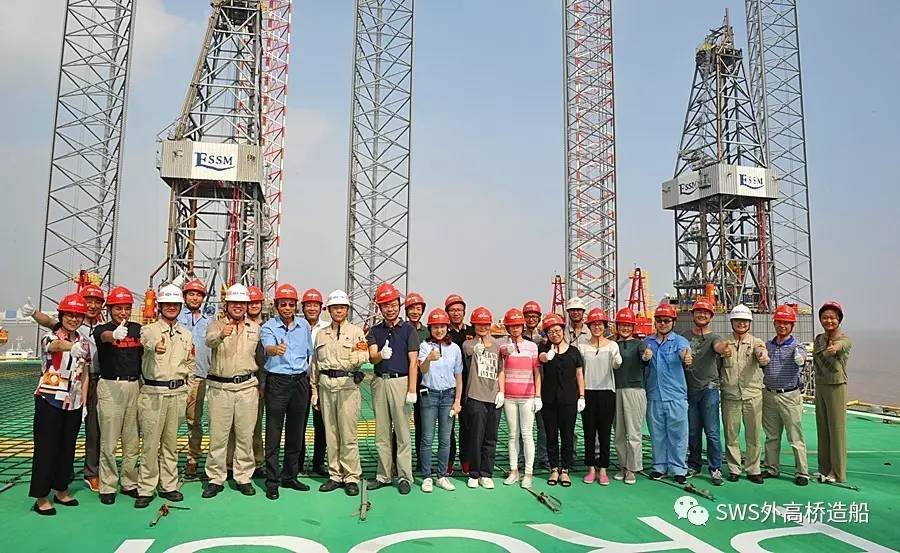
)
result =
(799, 359)
(479, 348)
(498, 401)
(78, 351)
(551, 353)
(411, 398)
(120, 332)
(537, 405)
(386, 351)
(28, 308)
(581, 404)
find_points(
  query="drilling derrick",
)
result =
(722, 188)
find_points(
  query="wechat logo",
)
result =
(687, 507)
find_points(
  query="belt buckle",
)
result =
(236, 379)
(173, 384)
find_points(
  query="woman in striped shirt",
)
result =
(522, 393)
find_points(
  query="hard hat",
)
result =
(575, 303)
(338, 297)
(170, 294)
(785, 314)
(386, 293)
(481, 316)
(531, 306)
(665, 310)
(834, 305)
(92, 291)
(312, 295)
(454, 298)
(255, 294)
(286, 292)
(438, 316)
(413, 298)
(237, 293)
(195, 285)
(552, 320)
(597, 315)
(703, 304)
(625, 316)
(513, 317)
(740, 313)
(73, 303)
(120, 296)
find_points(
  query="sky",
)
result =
(487, 191)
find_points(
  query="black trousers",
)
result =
(53, 462)
(318, 457)
(92, 432)
(287, 399)
(596, 421)
(559, 422)
(483, 419)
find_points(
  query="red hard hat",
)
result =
(286, 292)
(552, 320)
(120, 296)
(481, 316)
(833, 304)
(625, 316)
(312, 295)
(531, 306)
(785, 314)
(513, 317)
(438, 316)
(255, 294)
(386, 293)
(73, 303)
(454, 298)
(597, 315)
(703, 304)
(195, 285)
(413, 298)
(92, 291)
(665, 310)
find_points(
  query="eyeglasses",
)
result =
(665, 321)
(554, 331)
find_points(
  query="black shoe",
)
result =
(351, 488)
(680, 479)
(246, 489)
(801, 480)
(272, 493)
(403, 486)
(766, 475)
(173, 496)
(692, 472)
(70, 503)
(330, 485)
(211, 490)
(295, 484)
(43, 512)
(755, 478)
(143, 501)
(376, 484)
(258, 472)
(732, 477)
(656, 475)
(131, 493)
(107, 498)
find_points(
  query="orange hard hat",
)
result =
(195, 285)
(531, 306)
(92, 291)
(73, 303)
(625, 316)
(513, 317)
(665, 310)
(286, 292)
(255, 294)
(597, 315)
(120, 296)
(438, 316)
(312, 295)
(481, 316)
(413, 298)
(702, 303)
(386, 293)
(454, 298)
(834, 305)
(552, 320)
(785, 314)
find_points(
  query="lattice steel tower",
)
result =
(86, 154)
(777, 92)
(378, 197)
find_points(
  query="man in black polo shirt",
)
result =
(119, 356)
(393, 348)
(459, 332)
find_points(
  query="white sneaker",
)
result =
(619, 475)
(512, 478)
(427, 485)
(445, 484)
(486, 482)
(473, 483)
(527, 481)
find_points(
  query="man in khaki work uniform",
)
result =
(232, 393)
(168, 360)
(742, 384)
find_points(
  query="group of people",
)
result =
(138, 383)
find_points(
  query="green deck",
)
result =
(506, 518)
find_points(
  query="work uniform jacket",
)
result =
(177, 363)
(742, 375)
(339, 349)
(233, 355)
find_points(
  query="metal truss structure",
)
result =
(86, 154)
(777, 92)
(378, 196)
(591, 239)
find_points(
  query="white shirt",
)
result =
(599, 364)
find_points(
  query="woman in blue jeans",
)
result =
(441, 366)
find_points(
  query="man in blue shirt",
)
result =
(667, 404)
(193, 319)
(287, 340)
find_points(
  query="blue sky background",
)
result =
(487, 177)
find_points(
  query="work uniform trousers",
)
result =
(520, 423)
(703, 417)
(286, 399)
(668, 422)
(339, 401)
(734, 412)
(194, 414)
(159, 415)
(784, 412)
(259, 453)
(831, 429)
(596, 422)
(631, 409)
(231, 411)
(118, 413)
(92, 431)
(52, 464)
(559, 421)
(483, 421)
(392, 418)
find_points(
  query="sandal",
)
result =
(554, 477)
(564, 478)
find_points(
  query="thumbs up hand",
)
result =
(799, 358)
(227, 330)
(28, 308)
(434, 354)
(687, 357)
(728, 351)
(78, 351)
(833, 348)
(281, 348)
(121, 331)
(161, 345)
(386, 351)
(760, 352)
(647, 355)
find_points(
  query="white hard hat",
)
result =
(237, 292)
(170, 294)
(575, 303)
(740, 312)
(338, 297)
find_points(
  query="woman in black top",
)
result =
(562, 394)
